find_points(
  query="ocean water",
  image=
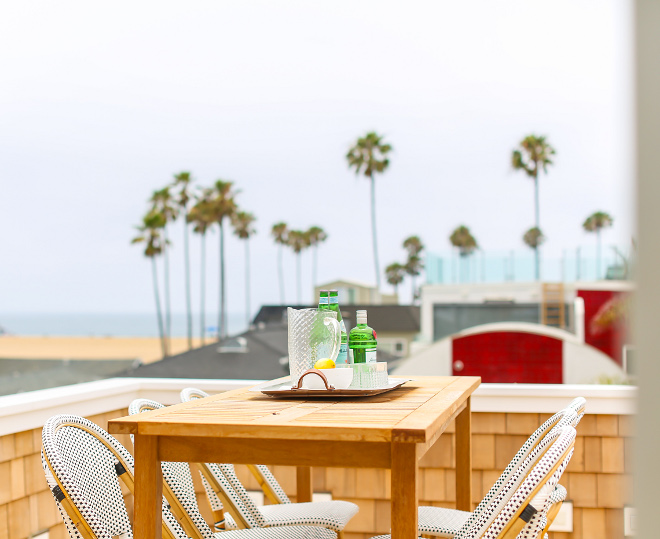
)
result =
(114, 325)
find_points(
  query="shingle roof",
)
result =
(266, 345)
(18, 375)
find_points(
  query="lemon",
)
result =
(325, 363)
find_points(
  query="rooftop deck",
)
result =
(598, 478)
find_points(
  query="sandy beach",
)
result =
(145, 348)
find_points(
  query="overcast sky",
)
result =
(101, 103)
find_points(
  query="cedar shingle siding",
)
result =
(598, 478)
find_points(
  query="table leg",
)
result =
(148, 494)
(304, 488)
(464, 459)
(404, 490)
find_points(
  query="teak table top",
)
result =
(414, 413)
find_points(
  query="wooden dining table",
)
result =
(392, 430)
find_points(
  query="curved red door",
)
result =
(509, 357)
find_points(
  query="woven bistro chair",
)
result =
(508, 514)
(83, 465)
(443, 522)
(271, 488)
(178, 482)
(333, 514)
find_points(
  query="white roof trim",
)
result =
(523, 327)
(30, 410)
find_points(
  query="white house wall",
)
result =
(584, 364)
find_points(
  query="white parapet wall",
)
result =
(25, 411)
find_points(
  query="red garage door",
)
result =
(507, 357)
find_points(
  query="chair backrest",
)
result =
(83, 465)
(567, 416)
(519, 510)
(237, 501)
(272, 489)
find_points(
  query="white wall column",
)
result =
(647, 309)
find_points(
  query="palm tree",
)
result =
(182, 180)
(369, 156)
(533, 237)
(152, 223)
(413, 267)
(316, 235)
(243, 228)
(395, 273)
(162, 202)
(224, 206)
(534, 154)
(464, 241)
(414, 264)
(201, 216)
(595, 223)
(279, 233)
(298, 241)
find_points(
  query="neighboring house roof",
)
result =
(383, 318)
(258, 359)
(19, 375)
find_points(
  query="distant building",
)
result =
(524, 332)
(354, 292)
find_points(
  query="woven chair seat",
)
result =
(443, 522)
(333, 514)
(440, 521)
(292, 532)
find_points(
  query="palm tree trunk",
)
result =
(168, 309)
(281, 272)
(159, 314)
(314, 265)
(222, 330)
(598, 260)
(373, 230)
(187, 268)
(412, 280)
(202, 309)
(247, 282)
(298, 272)
(537, 220)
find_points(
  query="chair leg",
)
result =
(550, 516)
(219, 519)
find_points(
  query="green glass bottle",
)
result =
(323, 300)
(362, 341)
(342, 358)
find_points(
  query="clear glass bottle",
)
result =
(333, 305)
(362, 341)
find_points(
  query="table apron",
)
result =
(275, 452)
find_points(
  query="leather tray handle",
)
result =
(318, 372)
